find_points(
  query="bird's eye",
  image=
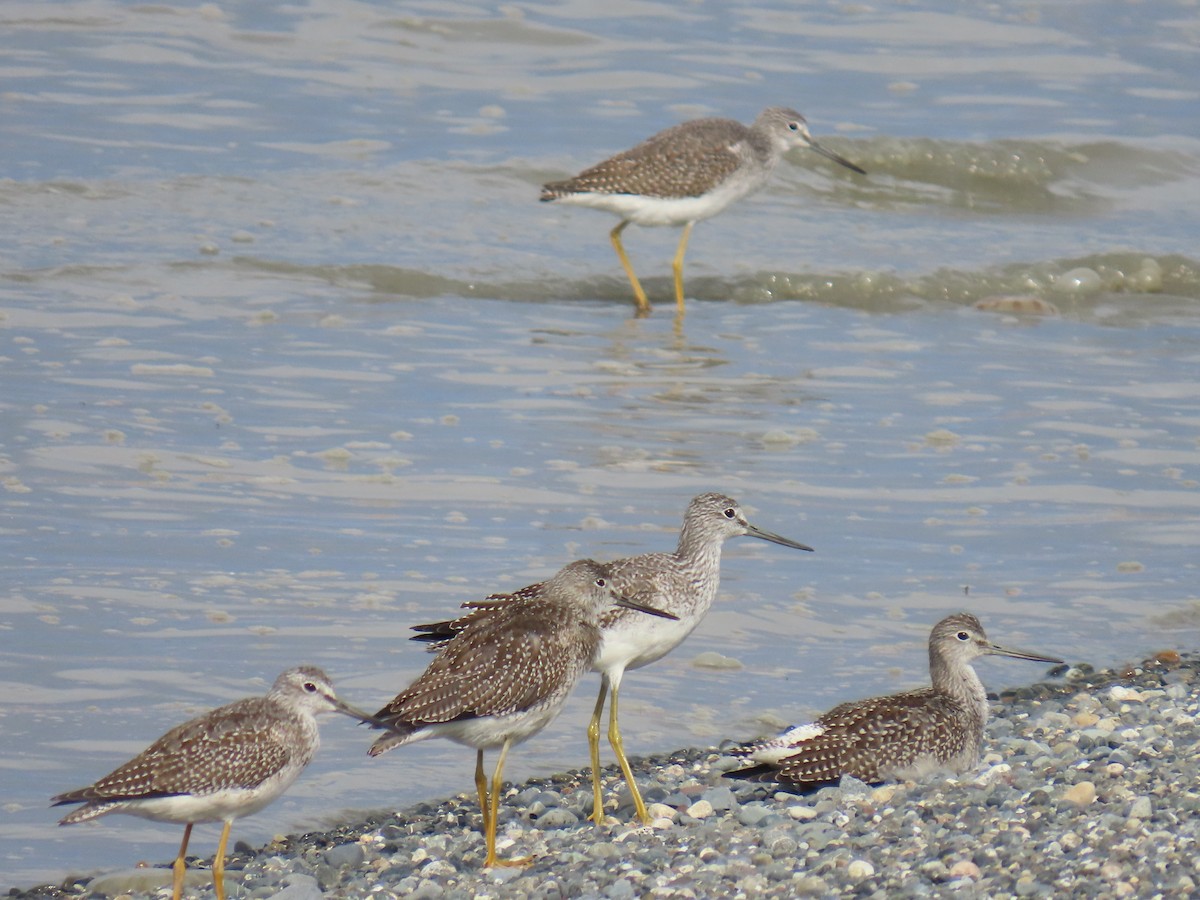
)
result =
(600, 582)
(963, 636)
(731, 513)
(310, 687)
(793, 126)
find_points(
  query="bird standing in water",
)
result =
(686, 173)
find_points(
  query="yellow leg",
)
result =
(614, 738)
(643, 305)
(481, 788)
(180, 866)
(594, 750)
(677, 266)
(219, 861)
(494, 815)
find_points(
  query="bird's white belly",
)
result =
(633, 643)
(652, 211)
(488, 732)
(215, 807)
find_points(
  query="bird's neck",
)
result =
(764, 149)
(699, 557)
(699, 551)
(961, 683)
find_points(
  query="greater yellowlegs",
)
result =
(220, 766)
(506, 675)
(904, 735)
(686, 173)
(683, 583)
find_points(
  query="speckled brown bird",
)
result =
(228, 763)
(686, 173)
(906, 735)
(683, 583)
(505, 676)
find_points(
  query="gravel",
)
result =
(1088, 786)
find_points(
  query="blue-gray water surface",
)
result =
(291, 358)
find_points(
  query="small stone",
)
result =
(1082, 794)
(425, 890)
(964, 868)
(934, 869)
(810, 885)
(344, 855)
(701, 809)
(299, 887)
(721, 798)
(558, 818)
(852, 787)
(1111, 871)
(1141, 808)
(438, 868)
(882, 796)
(996, 773)
(802, 813)
(779, 842)
(817, 834)
(1124, 694)
(1038, 797)
(602, 851)
(661, 811)
(753, 813)
(860, 868)
(1025, 886)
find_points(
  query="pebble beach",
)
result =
(1087, 787)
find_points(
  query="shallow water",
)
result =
(291, 358)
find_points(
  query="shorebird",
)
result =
(683, 583)
(686, 173)
(228, 763)
(906, 735)
(505, 676)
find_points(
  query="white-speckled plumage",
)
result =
(905, 735)
(683, 583)
(686, 173)
(507, 672)
(218, 767)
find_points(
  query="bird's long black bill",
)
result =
(840, 160)
(365, 717)
(642, 607)
(433, 632)
(1021, 654)
(774, 538)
